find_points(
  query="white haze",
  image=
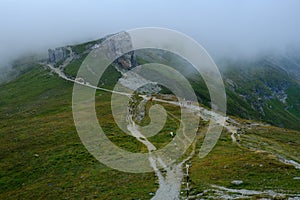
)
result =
(224, 28)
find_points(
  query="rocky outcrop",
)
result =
(57, 55)
(127, 61)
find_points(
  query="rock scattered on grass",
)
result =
(237, 182)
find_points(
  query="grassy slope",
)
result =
(258, 169)
(36, 118)
(73, 67)
(251, 78)
(42, 124)
(252, 81)
(42, 155)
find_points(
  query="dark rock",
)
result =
(57, 55)
(127, 61)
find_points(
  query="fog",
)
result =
(224, 28)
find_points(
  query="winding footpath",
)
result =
(170, 183)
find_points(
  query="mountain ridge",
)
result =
(42, 155)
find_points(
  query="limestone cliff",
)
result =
(56, 55)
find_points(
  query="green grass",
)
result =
(172, 125)
(254, 80)
(275, 140)
(258, 170)
(109, 78)
(73, 67)
(42, 156)
(36, 118)
(81, 48)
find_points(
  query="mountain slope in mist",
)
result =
(264, 88)
(267, 91)
(43, 157)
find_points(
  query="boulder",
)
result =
(237, 182)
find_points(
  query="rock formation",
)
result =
(127, 61)
(57, 55)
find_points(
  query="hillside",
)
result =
(259, 89)
(265, 92)
(42, 156)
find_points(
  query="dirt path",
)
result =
(289, 162)
(170, 183)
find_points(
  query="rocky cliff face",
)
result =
(265, 88)
(114, 47)
(57, 55)
(127, 61)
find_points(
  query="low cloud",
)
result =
(224, 28)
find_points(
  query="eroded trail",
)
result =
(170, 180)
(170, 183)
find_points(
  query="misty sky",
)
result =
(222, 27)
